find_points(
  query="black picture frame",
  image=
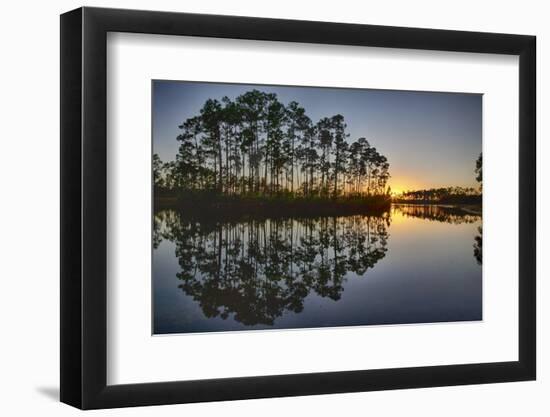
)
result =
(84, 207)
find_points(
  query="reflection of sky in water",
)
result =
(426, 272)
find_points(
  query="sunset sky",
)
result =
(430, 139)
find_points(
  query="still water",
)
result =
(414, 264)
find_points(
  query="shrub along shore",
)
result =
(206, 204)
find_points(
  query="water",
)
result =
(414, 264)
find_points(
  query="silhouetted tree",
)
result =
(158, 168)
(479, 170)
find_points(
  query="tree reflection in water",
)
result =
(255, 270)
(447, 214)
(478, 254)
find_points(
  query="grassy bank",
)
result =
(217, 206)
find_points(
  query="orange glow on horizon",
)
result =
(400, 185)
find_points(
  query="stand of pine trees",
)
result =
(255, 146)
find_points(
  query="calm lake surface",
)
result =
(414, 264)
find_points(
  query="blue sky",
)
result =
(430, 139)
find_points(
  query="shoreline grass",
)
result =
(216, 206)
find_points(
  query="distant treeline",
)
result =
(445, 195)
(254, 145)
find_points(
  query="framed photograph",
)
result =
(257, 208)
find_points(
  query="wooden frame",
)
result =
(84, 208)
